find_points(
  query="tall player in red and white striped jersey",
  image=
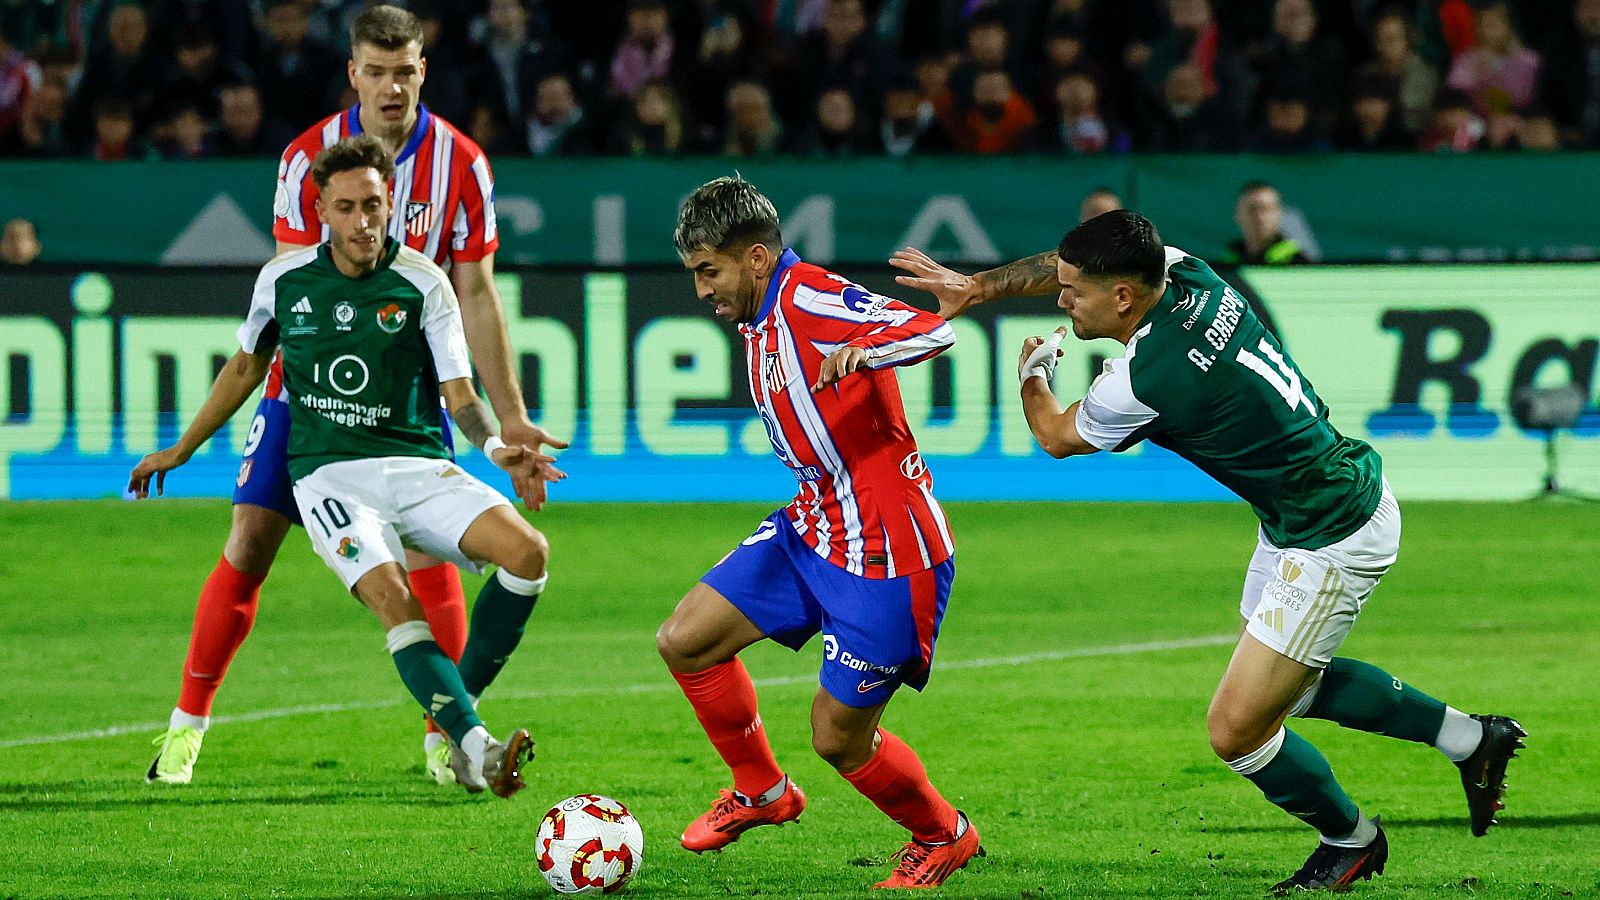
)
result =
(862, 554)
(443, 193)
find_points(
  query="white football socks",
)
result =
(1366, 832)
(181, 719)
(1459, 736)
(475, 743)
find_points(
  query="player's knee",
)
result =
(1232, 735)
(844, 751)
(531, 556)
(675, 649)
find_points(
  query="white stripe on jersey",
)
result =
(910, 348)
(480, 169)
(811, 422)
(293, 178)
(443, 146)
(404, 175)
(459, 229)
(938, 518)
(330, 130)
(888, 551)
(830, 305)
(922, 545)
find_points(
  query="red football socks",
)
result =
(222, 620)
(724, 700)
(444, 605)
(895, 781)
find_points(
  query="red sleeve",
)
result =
(294, 209)
(474, 233)
(893, 333)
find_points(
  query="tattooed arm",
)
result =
(956, 292)
(529, 469)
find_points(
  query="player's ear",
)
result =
(760, 259)
(321, 217)
(350, 70)
(422, 69)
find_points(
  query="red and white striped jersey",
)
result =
(443, 189)
(865, 501)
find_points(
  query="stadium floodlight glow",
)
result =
(1550, 409)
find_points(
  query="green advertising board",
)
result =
(615, 212)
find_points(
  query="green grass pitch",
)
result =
(1065, 715)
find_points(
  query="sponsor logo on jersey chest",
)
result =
(343, 315)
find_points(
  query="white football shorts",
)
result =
(1303, 603)
(362, 513)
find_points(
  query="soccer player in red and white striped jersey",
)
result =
(443, 193)
(862, 554)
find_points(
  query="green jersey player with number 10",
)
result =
(1203, 378)
(372, 338)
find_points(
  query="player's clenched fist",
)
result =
(1039, 356)
(839, 363)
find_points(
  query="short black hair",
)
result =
(387, 28)
(362, 151)
(1117, 244)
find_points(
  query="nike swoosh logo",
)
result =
(863, 687)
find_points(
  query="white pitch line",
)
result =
(664, 684)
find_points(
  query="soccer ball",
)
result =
(589, 844)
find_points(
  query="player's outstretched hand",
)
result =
(530, 472)
(839, 363)
(1039, 356)
(529, 435)
(954, 291)
(156, 466)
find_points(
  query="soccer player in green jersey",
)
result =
(371, 339)
(1202, 378)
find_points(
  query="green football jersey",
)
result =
(363, 358)
(1203, 378)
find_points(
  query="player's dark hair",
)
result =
(387, 28)
(1253, 185)
(726, 213)
(363, 151)
(1117, 244)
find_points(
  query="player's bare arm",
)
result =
(1034, 275)
(484, 321)
(1055, 428)
(234, 385)
(529, 469)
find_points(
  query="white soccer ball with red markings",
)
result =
(589, 844)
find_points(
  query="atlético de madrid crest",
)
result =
(419, 217)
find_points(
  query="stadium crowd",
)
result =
(186, 79)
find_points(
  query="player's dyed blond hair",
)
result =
(726, 213)
(387, 28)
(363, 151)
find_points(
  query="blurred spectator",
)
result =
(1259, 214)
(1412, 82)
(19, 243)
(556, 126)
(185, 129)
(1098, 202)
(910, 124)
(1194, 39)
(243, 129)
(116, 136)
(300, 77)
(19, 78)
(999, 120)
(42, 131)
(1538, 131)
(1571, 76)
(1288, 126)
(726, 55)
(988, 46)
(1456, 125)
(517, 59)
(1187, 121)
(653, 125)
(1447, 29)
(843, 52)
(125, 70)
(1078, 125)
(1498, 72)
(646, 49)
(199, 74)
(752, 128)
(1298, 60)
(230, 23)
(1372, 124)
(837, 130)
(455, 84)
(932, 75)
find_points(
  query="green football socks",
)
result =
(432, 678)
(1364, 697)
(1296, 777)
(498, 619)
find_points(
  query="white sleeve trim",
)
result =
(264, 297)
(1109, 414)
(1175, 256)
(441, 315)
